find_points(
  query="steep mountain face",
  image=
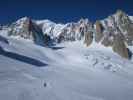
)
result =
(120, 23)
(115, 31)
(39, 31)
(27, 29)
(88, 38)
(65, 32)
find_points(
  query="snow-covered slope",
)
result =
(68, 71)
(115, 31)
(83, 63)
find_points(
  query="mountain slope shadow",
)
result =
(56, 48)
(22, 58)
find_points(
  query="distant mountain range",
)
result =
(115, 31)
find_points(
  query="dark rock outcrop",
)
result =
(99, 31)
(88, 38)
(125, 25)
(120, 48)
(27, 29)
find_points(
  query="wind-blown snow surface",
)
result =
(69, 71)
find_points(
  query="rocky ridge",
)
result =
(115, 31)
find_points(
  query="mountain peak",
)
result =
(119, 11)
(83, 20)
(104, 31)
(24, 18)
(120, 14)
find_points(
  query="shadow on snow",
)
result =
(22, 58)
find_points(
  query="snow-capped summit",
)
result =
(57, 31)
(116, 27)
(26, 28)
(119, 22)
(65, 32)
(50, 28)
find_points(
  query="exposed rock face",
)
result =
(114, 31)
(37, 34)
(125, 25)
(75, 31)
(88, 38)
(27, 29)
(120, 48)
(99, 31)
(117, 30)
(47, 40)
(106, 42)
(21, 28)
(120, 22)
(108, 38)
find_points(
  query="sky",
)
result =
(62, 11)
